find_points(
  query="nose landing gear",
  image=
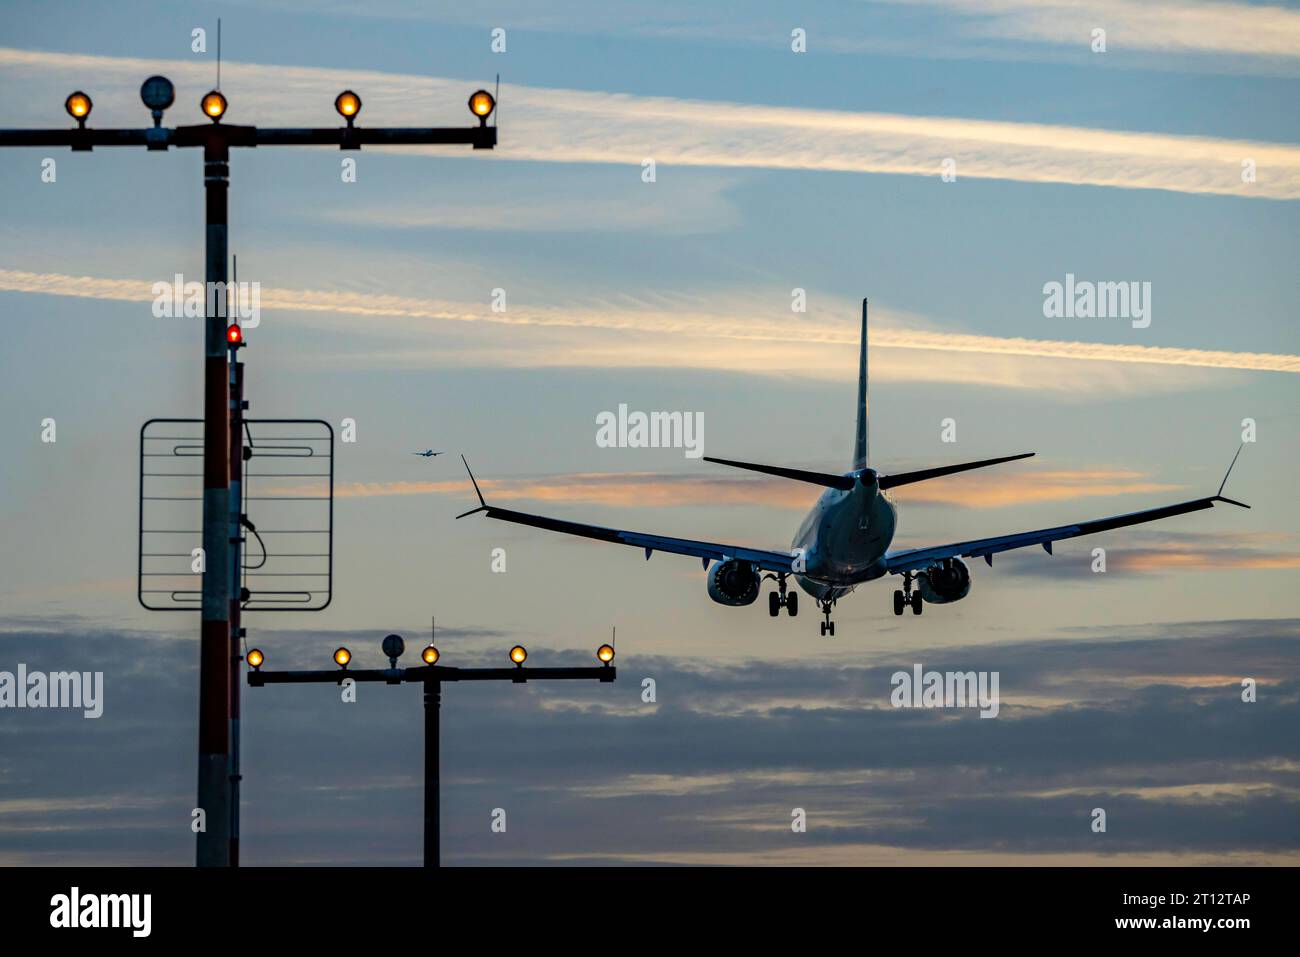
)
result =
(828, 626)
(777, 600)
(905, 596)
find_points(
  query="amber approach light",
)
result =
(518, 654)
(348, 104)
(78, 106)
(213, 105)
(341, 657)
(430, 655)
(605, 653)
(255, 658)
(481, 104)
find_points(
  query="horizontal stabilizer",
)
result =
(844, 482)
(921, 475)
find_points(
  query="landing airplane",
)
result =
(844, 541)
(427, 453)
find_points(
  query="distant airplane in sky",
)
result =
(844, 541)
(427, 453)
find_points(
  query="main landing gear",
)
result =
(776, 600)
(828, 626)
(905, 596)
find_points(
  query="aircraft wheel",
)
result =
(830, 627)
(824, 624)
(773, 604)
(899, 601)
(916, 603)
(792, 603)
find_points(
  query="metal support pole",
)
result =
(432, 773)
(236, 589)
(214, 798)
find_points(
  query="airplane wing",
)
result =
(767, 560)
(913, 559)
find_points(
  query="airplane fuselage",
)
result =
(843, 539)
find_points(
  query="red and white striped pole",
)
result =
(236, 583)
(215, 646)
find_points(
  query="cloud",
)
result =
(734, 335)
(992, 491)
(1251, 36)
(1147, 723)
(1098, 351)
(659, 489)
(577, 126)
(1170, 559)
(1145, 553)
(1251, 29)
(678, 207)
(617, 489)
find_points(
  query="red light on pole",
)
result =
(234, 335)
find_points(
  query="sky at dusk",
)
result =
(774, 171)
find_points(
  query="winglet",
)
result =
(1218, 496)
(482, 504)
(1229, 472)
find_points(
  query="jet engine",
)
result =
(734, 582)
(945, 581)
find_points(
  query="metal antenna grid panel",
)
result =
(288, 502)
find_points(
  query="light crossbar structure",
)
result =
(432, 676)
(223, 522)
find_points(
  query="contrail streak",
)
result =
(684, 323)
(583, 126)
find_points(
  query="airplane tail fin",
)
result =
(860, 450)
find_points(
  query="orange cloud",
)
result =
(1211, 558)
(618, 489)
(654, 489)
(987, 490)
